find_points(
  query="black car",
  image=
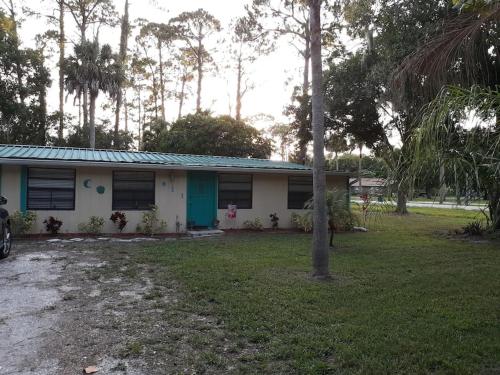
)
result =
(5, 233)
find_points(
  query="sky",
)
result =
(272, 77)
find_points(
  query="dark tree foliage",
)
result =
(204, 134)
(300, 114)
(350, 102)
(104, 137)
(23, 85)
(401, 26)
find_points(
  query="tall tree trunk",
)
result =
(139, 119)
(125, 110)
(85, 106)
(336, 161)
(307, 59)
(60, 131)
(92, 121)
(401, 208)
(162, 82)
(467, 192)
(302, 152)
(122, 58)
(238, 88)
(181, 99)
(320, 231)
(19, 70)
(43, 114)
(493, 192)
(442, 184)
(457, 185)
(200, 75)
(79, 110)
(155, 96)
(360, 166)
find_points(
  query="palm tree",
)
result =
(461, 64)
(97, 70)
(320, 232)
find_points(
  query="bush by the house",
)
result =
(274, 220)
(22, 222)
(253, 224)
(92, 226)
(53, 225)
(150, 223)
(119, 219)
(303, 222)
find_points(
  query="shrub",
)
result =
(274, 220)
(474, 228)
(303, 222)
(93, 226)
(150, 223)
(253, 224)
(119, 219)
(53, 225)
(22, 222)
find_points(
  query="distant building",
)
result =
(373, 186)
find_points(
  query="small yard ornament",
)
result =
(231, 211)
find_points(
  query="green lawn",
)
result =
(404, 299)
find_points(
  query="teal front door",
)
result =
(201, 199)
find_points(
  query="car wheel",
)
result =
(5, 241)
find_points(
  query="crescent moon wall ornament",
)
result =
(87, 183)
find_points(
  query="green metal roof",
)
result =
(68, 154)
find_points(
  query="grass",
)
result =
(404, 298)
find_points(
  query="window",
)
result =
(235, 189)
(300, 190)
(133, 190)
(51, 189)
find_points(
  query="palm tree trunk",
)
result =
(457, 186)
(162, 82)
(60, 131)
(85, 106)
(238, 89)
(200, 77)
(79, 110)
(442, 184)
(125, 110)
(92, 121)
(320, 231)
(181, 99)
(122, 57)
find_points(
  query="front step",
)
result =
(204, 233)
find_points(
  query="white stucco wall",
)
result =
(169, 195)
(270, 194)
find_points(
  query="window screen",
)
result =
(300, 190)
(133, 190)
(235, 189)
(51, 189)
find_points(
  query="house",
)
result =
(373, 186)
(195, 191)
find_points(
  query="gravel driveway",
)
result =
(64, 307)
